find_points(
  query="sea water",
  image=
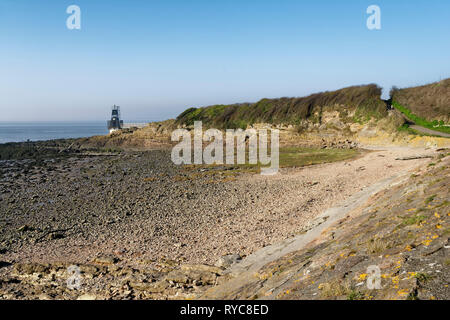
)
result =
(39, 131)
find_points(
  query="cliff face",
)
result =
(362, 102)
(426, 106)
(400, 237)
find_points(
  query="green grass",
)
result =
(370, 109)
(414, 220)
(435, 125)
(296, 157)
(405, 128)
(355, 295)
(422, 277)
(299, 157)
(430, 199)
(302, 156)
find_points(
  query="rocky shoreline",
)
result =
(139, 227)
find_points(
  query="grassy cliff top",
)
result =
(431, 102)
(287, 110)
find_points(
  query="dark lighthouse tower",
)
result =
(115, 123)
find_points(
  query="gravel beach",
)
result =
(137, 210)
(142, 206)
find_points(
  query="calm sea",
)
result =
(37, 131)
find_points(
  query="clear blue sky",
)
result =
(157, 58)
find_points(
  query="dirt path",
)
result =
(429, 131)
(422, 129)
